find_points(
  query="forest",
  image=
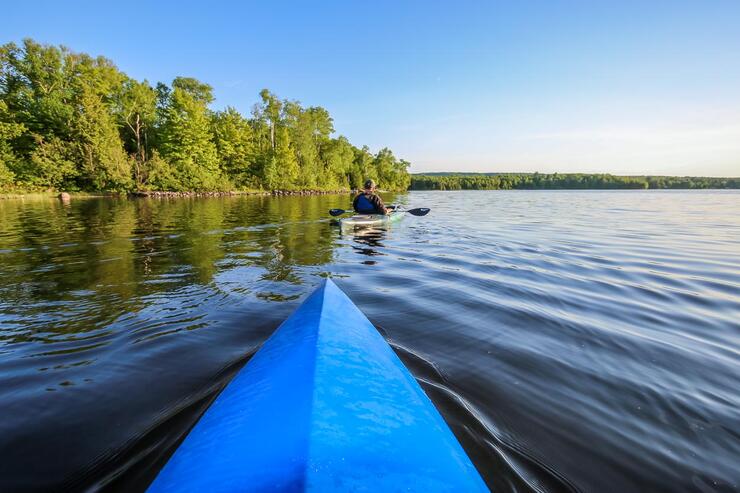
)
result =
(73, 122)
(566, 181)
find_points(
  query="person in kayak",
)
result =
(369, 202)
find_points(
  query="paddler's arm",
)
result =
(379, 205)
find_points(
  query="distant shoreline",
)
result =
(504, 173)
(565, 181)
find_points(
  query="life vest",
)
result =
(364, 206)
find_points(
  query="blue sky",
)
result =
(624, 87)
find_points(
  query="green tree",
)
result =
(234, 139)
(137, 112)
(9, 131)
(102, 160)
(185, 136)
(277, 161)
(52, 164)
(161, 175)
(283, 164)
(362, 168)
(104, 163)
(63, 100)
(37, 88)
(270, 111)
(383, 163)
(338, 156)
(301, 132)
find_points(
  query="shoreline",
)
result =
(162, 194)
(263, 193)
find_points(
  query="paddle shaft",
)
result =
(420, 211)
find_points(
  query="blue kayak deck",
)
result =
(325, 405)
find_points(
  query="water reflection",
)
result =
(55, 256)
(369, 242)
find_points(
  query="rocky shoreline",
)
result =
(158, 194)
(273, 193)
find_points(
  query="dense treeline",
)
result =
(69, 121)
(555, 181)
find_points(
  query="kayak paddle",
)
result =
(421, 211)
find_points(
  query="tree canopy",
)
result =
(69, 121)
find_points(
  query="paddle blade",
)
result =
(421, 211)
(336, 212)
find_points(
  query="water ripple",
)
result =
(575, 341)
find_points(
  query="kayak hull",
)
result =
(325, 405)
(370, 220)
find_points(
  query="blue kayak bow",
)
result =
(325, 405)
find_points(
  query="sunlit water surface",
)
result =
(582, 341)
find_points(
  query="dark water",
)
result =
(574, 340)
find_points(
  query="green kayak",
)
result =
(370, 220)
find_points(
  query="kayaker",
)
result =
(369, 202)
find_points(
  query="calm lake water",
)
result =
(583, 341)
